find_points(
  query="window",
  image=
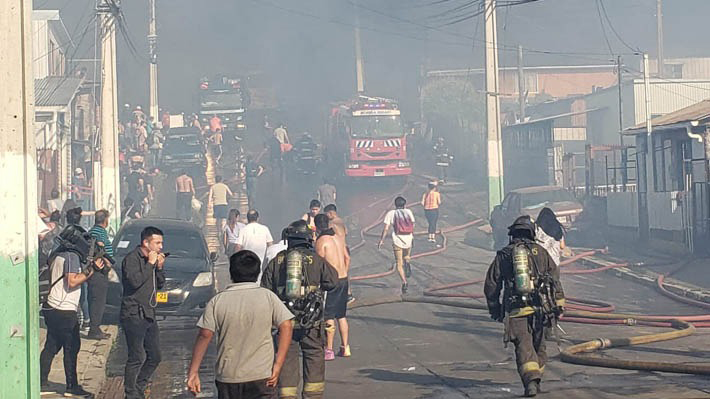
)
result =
(668, 158)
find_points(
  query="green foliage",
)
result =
(455, 100)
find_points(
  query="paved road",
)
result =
(429, 351)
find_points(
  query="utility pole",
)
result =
(659, 32)
(521, 84)
(359, 73)
(19, 309)
(107, 193)
(619, 81)
(642, 145)
(153, 53)
(495, 149)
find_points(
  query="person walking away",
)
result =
(216, 145)
(142, 276)
(310, 216)
(326, 193)
(533, 299)
(341, 234)
(254, 236)
(156, 145)
(230, 235)
(275, 249)
(98, 283)
(550, 234)
(242, 316)
(215, 123)
(185, 192)
(251, 172)
(281, 136)
(402, 222)
(61, 308)
(431, 200)
(219, 195)
(328, 247)
(302, 291)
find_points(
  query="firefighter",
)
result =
(533, 299)
(300, 277)
(443, 158)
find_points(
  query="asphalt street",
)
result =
(412, 350)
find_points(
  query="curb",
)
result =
(650, 278)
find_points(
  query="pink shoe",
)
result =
(329, 355)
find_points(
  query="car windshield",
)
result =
(376, 126)
(183, 144)
(542, 198)
(226, 100)
(179, 243)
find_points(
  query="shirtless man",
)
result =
(341, 233)
(185, 191)
(328, 247)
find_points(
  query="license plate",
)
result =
(161, 297)
(379, 173)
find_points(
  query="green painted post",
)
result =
(19, 308)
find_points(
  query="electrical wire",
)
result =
(636, 51)
(603, 28)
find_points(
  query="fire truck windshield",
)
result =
(223, 100)
(376, 126)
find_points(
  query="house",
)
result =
(676, 201)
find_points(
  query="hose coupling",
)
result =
(631, 322)
(603, 342)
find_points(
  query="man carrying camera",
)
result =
(142, 276)
(71, 264)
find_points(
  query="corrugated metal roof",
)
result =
(56, 90)
(553, 117)
(697, 112)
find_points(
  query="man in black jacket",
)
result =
(142, 272)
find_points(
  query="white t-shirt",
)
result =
(403, 241)
(254, 237)
(233, 235)
(271, 253)
(61, 297)
(280, 134)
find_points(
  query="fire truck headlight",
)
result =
(240, 117)
(353, 166)
(403, 164)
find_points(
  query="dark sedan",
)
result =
(189, 270)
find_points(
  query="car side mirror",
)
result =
(214, 256)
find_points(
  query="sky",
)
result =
(307, 47)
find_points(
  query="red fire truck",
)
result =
(366, 138)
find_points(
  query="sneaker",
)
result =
(97, 335)
(344, 351)
(77, 391)
(532, 388)
(351, 299)
(405, 286)
(329, 355)
(46, 388)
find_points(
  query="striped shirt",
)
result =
(101, 235)
(432, 200)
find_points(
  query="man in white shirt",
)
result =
(274, 250)
(255, 236)
(402, 222)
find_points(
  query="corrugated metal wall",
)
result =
(668, 96)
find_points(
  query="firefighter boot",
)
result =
(532, 388)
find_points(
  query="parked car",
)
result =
(529, 201)
(184, 149)
(189, 270)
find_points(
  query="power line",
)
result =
(637, 50)
(601, 24)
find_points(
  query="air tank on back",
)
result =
(521, 265)
(294, 274)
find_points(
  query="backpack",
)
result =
(403, 224)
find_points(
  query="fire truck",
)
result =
(228, 98)
(366, 138)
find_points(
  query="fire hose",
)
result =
(578, 311)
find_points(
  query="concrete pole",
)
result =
(19, 308)
(359, 68)
(108, 193)
(153, 46)
(642, 144)
(659, 33)
(521, 85)
(619, 82)
(495, 149)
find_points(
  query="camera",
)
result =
(75, 239)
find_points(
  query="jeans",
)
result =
(432, 216)
(143, 344)
(84, 303)
(62, 333)
(245, 390)
(183, 205)
(98, 287)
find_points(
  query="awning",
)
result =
(697, 113)
(553, 117)
(56, 91)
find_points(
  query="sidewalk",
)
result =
(91, 369)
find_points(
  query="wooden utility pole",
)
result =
(153, 49)
(659, 32)
(19, 308)
(521, 85)
(495, 149)
(107, 192)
